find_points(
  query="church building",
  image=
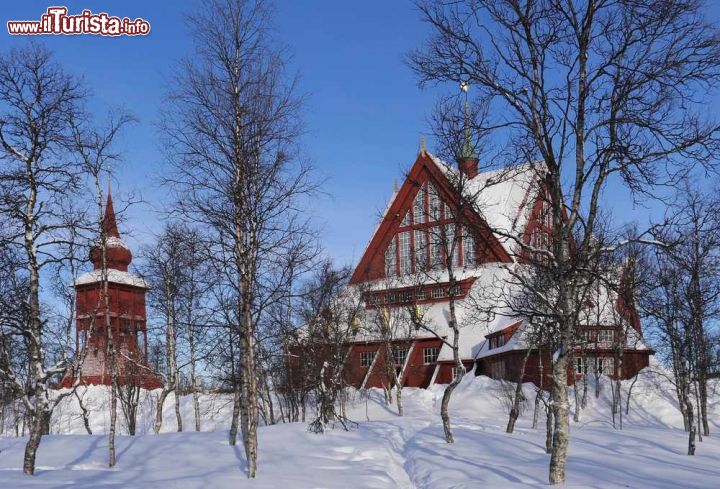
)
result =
(395, 276)
(127, 317)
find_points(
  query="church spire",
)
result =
(468, 160)
(109, 223)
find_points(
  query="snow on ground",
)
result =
(385, 452)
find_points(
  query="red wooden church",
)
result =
(393, 273)
(127, 316)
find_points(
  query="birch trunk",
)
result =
(536, 410)
(457, 377)
(35, 353)
(549, 427)
(85, 413)
(235, 417)
(177, 411)
(158, 410)
(250, 408)
(193, 377)
(690, 414)
(561, 428)
(519, 397)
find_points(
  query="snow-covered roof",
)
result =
(503, 197)
(489, 281)
(113, 242)
(113, 276)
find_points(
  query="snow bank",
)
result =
(385, 451)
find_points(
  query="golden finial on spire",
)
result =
(423, 149)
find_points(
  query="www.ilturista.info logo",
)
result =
(57, 21)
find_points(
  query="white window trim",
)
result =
(431, 352)
(406, 256)
(366, 358)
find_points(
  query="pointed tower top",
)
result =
(109, 224)
(395, 185)
(423, 149)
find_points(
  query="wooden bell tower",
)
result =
(126, 319)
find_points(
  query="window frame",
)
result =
(431, 352)
(400, 356)
(581, 367)
(364, 356)
(605, 366)
(418, 208)
(405, 252)
(605, 336)
(391, 261)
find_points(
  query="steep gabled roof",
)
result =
(504, 200)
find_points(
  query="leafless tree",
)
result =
(40, 175)
(331, 320)
(166, 273)
(175, 269)
(682, 301)
(96, 153)
(231, 128)
(597, 90)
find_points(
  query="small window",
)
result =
(366, 358)
(405, 296)
(586, 337)
(497, 369)
(605, 365)
(606, 336)
(430, 355)
(421, 295)
(459, 372)
(496, 341)
(455, 291)
(399, 356)
(580, 366)
(391, 298)
(438, 293)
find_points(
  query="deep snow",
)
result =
(385, 452)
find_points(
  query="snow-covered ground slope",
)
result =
(385, 452)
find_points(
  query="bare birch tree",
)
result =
(38, 102)
(232, 127)
(598, 90)
(682, 302)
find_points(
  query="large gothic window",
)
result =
(405, 253)
(390, 259)
(433, 203)
(419, 206)
(420, 249)
(468, 244)
(426, 238)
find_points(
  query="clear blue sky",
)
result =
(365, 114)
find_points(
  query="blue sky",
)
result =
(365, 114)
